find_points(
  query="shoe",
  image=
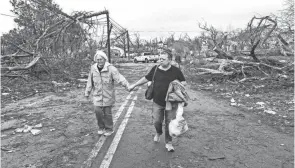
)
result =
(157, 138)
(108, 133)
(169, 147)
(100, 131)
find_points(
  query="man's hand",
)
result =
(185, 104)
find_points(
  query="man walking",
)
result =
(101, 82)
(165, 73)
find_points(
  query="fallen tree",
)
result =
(225, 67)
(45, 33)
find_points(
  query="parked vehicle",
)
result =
(146, 57)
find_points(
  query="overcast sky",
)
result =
(160, 17)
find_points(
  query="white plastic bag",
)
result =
(178, 125)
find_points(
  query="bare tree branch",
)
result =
(20, 48)
(17, 68)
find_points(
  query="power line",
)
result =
(6, 15)
(116, 23)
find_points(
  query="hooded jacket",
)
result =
(102, 84)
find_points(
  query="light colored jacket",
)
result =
(102, 84)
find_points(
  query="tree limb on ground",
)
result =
(213, 71)
(225, 63)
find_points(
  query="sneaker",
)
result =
(100, 131)
(169, 147)
(157, 138)
(108, 133)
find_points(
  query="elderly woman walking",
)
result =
(101, 82)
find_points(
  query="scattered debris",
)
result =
(81, 86)
(56, 84)
(260, 103)
(27, 128)
(52, 129)
(19, 130)
(35, 131)
(82, 80)
(269, 111)
(233, 102)
(7, 150)
(30, 166)
(259, 86)
(215, 156)
(38, 125)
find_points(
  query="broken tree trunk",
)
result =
(218, 50)
(213, 71)
(221, 54)
(260, 32)
(252, 52)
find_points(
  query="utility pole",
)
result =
(127, 34)
(109, 32)
(124, 43)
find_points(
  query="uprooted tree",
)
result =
(260, 32)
